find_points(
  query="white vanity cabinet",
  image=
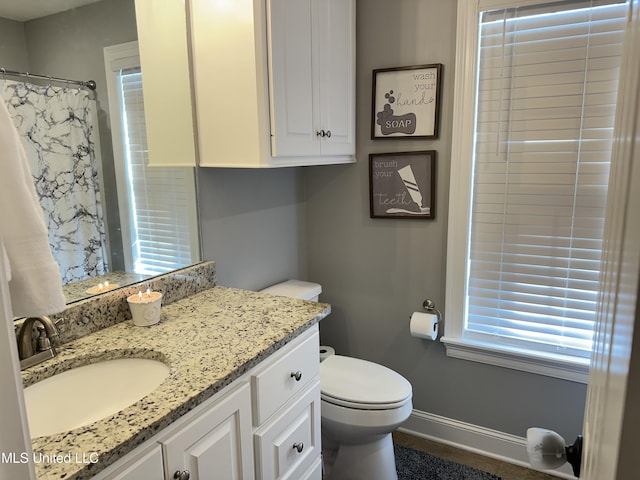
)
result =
(264, 425)
(274, 82)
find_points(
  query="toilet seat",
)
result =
(359, 384)
(363, 406)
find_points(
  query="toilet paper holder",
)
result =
(426, 325)
(430, 307)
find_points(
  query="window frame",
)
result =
(461, 187)
(122, 57)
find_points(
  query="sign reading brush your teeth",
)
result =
(402, 185)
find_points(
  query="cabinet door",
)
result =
(293, 80)
(216, 445)
(336, 37)
(147, 466)
(143, 463)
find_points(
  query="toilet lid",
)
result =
(350, 380)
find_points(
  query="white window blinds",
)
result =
(160, 198)
(546, 94)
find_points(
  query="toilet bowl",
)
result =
(361, 404)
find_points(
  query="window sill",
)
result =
(518, 359)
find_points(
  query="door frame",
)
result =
(17, 461)
(612, 400)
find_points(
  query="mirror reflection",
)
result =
(112, 220)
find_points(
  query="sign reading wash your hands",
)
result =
(406, 102)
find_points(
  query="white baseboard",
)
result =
(484, 441)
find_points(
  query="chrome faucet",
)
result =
(33, 350)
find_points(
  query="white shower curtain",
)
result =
(58, 126)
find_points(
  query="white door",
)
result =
(613, 399)
(15, 442)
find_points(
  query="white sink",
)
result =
(85, 394)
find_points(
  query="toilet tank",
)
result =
(295, 289)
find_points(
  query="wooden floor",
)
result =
(505, 471)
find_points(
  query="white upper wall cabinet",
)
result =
(274, 82)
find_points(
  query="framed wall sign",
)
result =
(406, 102)
(402, 185)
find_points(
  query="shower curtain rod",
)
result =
(90, 84)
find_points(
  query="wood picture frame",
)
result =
(402, 184)
(406, 102)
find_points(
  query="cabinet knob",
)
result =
(323, 133)
(298, 447)
(184, 475)
(297, 375)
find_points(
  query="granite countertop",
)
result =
(208, 340)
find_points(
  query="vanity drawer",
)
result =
(315, 472)
(289, 373)
(287, 446)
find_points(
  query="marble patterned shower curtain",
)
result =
(58, 126)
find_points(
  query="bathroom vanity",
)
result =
(242, 399)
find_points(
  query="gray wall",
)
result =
(252, 225)
(13, 46)
(375, 272)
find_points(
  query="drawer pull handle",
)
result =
(298, 447)
(328, 133)
(184, 475)
(297, 375)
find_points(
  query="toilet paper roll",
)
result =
(326, 352)
(424, 325)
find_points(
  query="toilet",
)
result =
(361, 404)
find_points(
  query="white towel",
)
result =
(35, 282)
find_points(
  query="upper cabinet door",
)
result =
(293, 78)
(336, 37)
(312, 77)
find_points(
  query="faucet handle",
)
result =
(51, 323)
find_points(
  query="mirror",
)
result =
(135, 238)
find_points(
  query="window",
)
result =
(530, 168)
(157, 204)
